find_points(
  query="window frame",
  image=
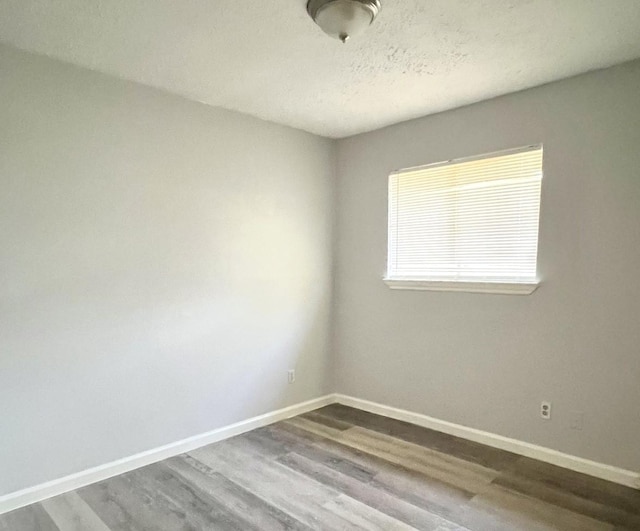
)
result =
(505, 287)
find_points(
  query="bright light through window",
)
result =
(468, 221)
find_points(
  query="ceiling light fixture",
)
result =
(343, 19)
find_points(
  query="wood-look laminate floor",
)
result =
(340, 468)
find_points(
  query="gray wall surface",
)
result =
(162, 265)
(487, 361)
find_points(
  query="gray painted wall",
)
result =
(162, 265)
(487, 361)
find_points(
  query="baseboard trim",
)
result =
(49, 489)
(577, 464)
(37, 493)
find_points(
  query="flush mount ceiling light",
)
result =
(343, 19)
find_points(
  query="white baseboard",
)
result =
(43, 491)
(37, 493)
(578, 464)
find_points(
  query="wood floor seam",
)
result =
(340, 468)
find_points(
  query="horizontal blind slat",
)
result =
(476, 218)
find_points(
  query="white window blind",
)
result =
(473, 220)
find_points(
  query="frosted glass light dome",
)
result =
(343, 19)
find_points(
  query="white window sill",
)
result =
(504, 288)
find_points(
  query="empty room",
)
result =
(319, 265)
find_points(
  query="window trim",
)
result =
(509, 287)
(501, 288)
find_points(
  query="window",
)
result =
(466, 225)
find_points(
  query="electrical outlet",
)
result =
(577, 420)
(545, 410)
(291, 376)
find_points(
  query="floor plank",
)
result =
(369, 494)
(258, 513)
(597, 504)
(338, 468)
(588, 487)
(364, 516)
(449, 469)
(455, 446)
(500, 509)
(413, 486)
(71, 513)
(292, 493)
(31, 518)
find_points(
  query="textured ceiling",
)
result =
(268, 59)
